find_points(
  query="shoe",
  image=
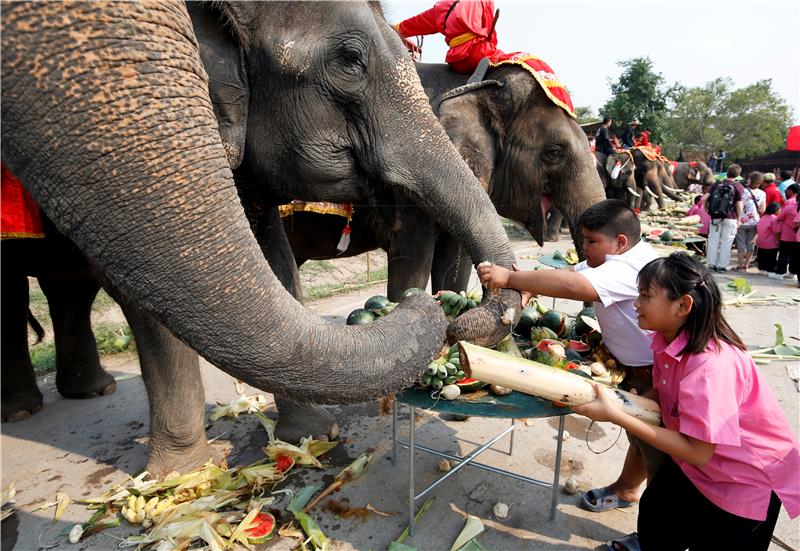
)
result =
(722, 269)
(712, 268)
(603, 499)
(774, 276)
(788, 275)
(762, 272)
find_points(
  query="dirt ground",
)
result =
(82, 446)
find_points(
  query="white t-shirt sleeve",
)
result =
(612, 282)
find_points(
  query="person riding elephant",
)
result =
(616, 173)
(126, 142)
(522, 147)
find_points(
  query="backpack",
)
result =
(720, 202)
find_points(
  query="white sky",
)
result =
(688, 42)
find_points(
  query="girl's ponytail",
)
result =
(681, 275)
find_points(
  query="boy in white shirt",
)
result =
(608, 277)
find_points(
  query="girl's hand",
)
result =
(493, 277)
(603, 408)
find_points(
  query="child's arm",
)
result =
(693, 451)
(551, 283)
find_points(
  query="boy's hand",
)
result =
(603, 408)
(493, 277)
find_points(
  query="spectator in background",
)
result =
(705, 220)
(721, 156)
(771, 190)
(466, 27)
(592, 145)
(712, 162)
(643, 139)
(753, 206)
(786, 181)
(725, 208)
(788, 244)
(794, 265)
(627, 136)
(603, 139)
(768, 231)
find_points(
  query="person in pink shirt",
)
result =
(795, 263)
(705, 220)
(788, 244)
(731, 458)
(768, 230)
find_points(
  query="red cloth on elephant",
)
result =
(466, 30)
(543, 74)
(19, 215)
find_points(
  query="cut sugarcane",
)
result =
(547, 382)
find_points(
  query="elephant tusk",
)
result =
(672, 189)
(650, 191)
(633, 192)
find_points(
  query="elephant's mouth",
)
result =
(546, 203)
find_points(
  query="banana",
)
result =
(150, 506)
(132, 502)
(140, 503)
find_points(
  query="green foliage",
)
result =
(324, 290)
(43, 357)
(584, 114)
(640, 93)
(746, 122)
(111, 339)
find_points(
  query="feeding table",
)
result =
(513, 406)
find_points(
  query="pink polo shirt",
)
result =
(719, 396)
(796, 222)
(786, 216)
(767, 232)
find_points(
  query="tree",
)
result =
(747, 122)
(640, 93)
(584, 114)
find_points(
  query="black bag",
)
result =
(721, 201)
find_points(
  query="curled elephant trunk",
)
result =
(146, 193)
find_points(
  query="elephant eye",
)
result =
(351, 59)
(553, 154)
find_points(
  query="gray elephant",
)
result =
(616, 173)
(686, 174)
(108, 122)
(653, 179)
(526, 151)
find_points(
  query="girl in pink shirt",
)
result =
(788, 245)
(731, 456)
(767, 231)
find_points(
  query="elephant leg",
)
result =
(21, 397)
(554, 222)
(452, 266)
(171, 373)
(410, 255)
(295, 420)
(78, 370)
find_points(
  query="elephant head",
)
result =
(319, 101)
(652, 179)
(617, 170)
(527, 152)
(107, 121)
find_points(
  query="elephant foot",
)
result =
(21, 405)
(163, 462)
(90, 384)
(552, 237)
(296, 421)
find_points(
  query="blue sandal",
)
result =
(628, 543)
(603, 499)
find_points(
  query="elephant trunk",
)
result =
(582, 189)
(111, 129)
(451, 195)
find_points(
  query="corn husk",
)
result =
(239, 405)
(315, 535)
(239, 534)
(348, 474)
(304, 454)
(62, 502)
(471, 529)
(7, 501)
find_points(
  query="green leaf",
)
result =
(301, 498)
(472, 528)
(312, 530)
(741, 286)
(472, 545)
(395, 546)
(779, 340)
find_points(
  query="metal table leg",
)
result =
(557, 467)
(411, 448)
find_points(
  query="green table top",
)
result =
(512, 406)
(548, 260)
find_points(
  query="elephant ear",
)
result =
(227, 76)
(466, 117)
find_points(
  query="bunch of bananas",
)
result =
(139, 510)
(455, 304)
(444, 370)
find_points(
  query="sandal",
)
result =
(603, 499)
(628, 543)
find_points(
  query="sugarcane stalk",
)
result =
(550, 383)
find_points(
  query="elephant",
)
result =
(623, 186)
(653, 179)
(692, 173)
(526, 152)
(159, 143)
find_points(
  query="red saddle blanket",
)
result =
(19, 215)
(543, 74)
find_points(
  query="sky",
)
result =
(688, 42)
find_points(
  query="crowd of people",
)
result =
(757, 215)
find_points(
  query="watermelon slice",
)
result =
(579, 347)
(261, 528)
(655, 234)
(469, 385)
